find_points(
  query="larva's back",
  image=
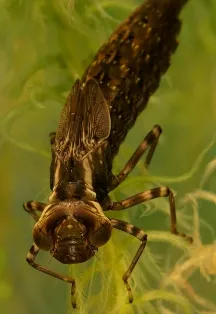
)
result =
(130, 64)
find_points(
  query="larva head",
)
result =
(72, 230)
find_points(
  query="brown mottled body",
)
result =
(130, 64)
(98, 113)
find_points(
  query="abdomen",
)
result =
(130, 64)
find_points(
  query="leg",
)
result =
(32, 207)
(150, 141)
(140, 235)
(30, 259)
(149, 195)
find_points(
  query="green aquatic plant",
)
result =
(44, 47)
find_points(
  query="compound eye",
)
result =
(101, 235)
(41, 239)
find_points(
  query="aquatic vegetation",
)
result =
(44, 48)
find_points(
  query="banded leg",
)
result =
(32, 207)
(140, 235)
(150, 141)
(30, 259)
(149, 195)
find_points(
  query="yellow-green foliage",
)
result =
(44, 47)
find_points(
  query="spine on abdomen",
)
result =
(130, 64)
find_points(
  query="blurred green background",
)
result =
(44, 47)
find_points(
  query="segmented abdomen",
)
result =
(130, 64)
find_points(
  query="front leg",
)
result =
(149, 195)
(30, 259)
(150, 141)
(32, 207)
